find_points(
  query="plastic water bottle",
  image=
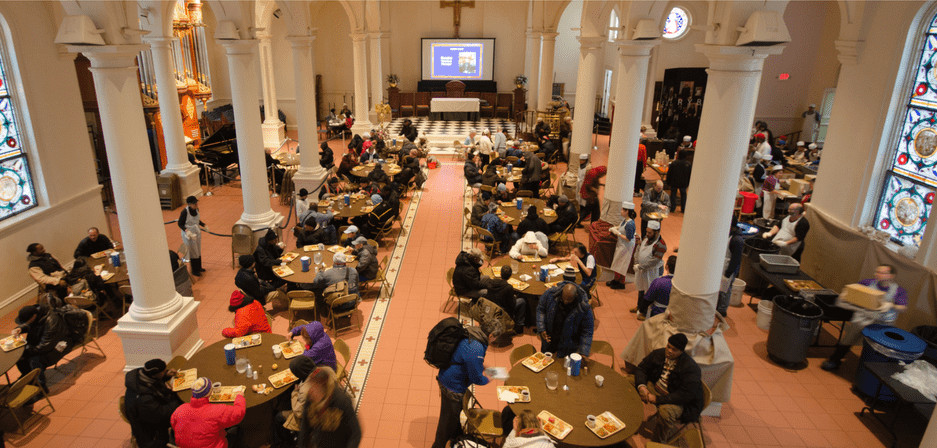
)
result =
(250, 371)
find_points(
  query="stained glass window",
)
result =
(16, 186)
(613, 24)
(677, 24)
(911, 182)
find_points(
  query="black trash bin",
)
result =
(794, 324)
(753, 247)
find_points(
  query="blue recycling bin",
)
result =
(883, 343)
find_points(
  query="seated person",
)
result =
(582, 261)
(502, 294)
(378, 175)
(93, 243)
(566, 215)
(470, 170)
(82, 280)
(565, 321)
(302, 202)
(379, 217)
(318, 346)
(249, 316)
(200, 424)
(529, 244)
(500, 230)
(252, 286)
(513, 149)
(349, 161)
(46, 337)
(467, 280)
(330, 418)
(339, 272)
(301, 367)
(326, 158)
(308, 234)
(491, 177)
(46, 270)
(367, 259)
(532, 223)
(525, 432)
(671, 379)
(658, 293)
(480, 208)
(266, 256)
(149, 403)
(408, 130)
(348, 236)
(502, 194)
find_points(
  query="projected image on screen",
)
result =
(457, 61)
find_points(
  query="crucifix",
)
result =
(457, 6)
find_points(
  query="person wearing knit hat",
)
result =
(670, 379)
(761, 144)
(149, 403)
(624, 245)
(266, 256)
(252, 286)
(200, 423)
(249, 316)
(382, 215)
(376, 199)
(191, 225)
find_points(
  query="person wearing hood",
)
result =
(191, 225)
(249, 316)
(46, 337)
(527, 433)
(491, 177)
(408, 130)
(467, 280)
(329, 418)
(480, 208)
(326, 157)
(530, 244)
(382, 214)
(565, 322)
(530, 176)
(46, 270)
(266, 256)
(149, 403)
(378, 175)
(318, 347)
(200, 424)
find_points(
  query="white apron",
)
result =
(786, 232)
(624, 249)
(809, 127)
(193, 244)
(769, 199)
(643, 277)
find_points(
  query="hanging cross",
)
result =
(457, 6)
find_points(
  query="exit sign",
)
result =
(784, 76)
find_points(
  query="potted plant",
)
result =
(393, 79)
(520, 81)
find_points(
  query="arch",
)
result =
(263, 11)
(594, 18)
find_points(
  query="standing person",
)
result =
(639, 182)
(485, 147)
(894, 302)
(530, 176)
(329, 419)
(93, 243)
(769, 192)
(466, 367)
(678, 176)
(624, 246)
(655, 200)
(500, 141)
(670, 379)
(191, 225)
(648, 265)
(658, 294)
(590, 192)
(811, 121)
(46, 270)
(736, 246)
(408, 130)
(565, 322)
(792, 231)
(149, 403)
(200, 424)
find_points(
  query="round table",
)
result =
(120, 273)
(616, 395)
(9, 359)
(512, 212)
(296, 265)
(210, 362)
(360, 205)
(515, 173)
(363, 170)
(536, 287)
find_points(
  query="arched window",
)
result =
(911, 180)
(16, 186)
(613, 24)
(677, 24)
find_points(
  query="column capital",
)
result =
(848, 51)
(377, 34)
(301, 41)
(239, 46)
(263, 35)
(636, 47)
(737, 59)
(533, 33)
(548, 34)
(589, 43)
(358, 36)
(159, 41)
(110, 56)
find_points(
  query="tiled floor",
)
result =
(770, 406)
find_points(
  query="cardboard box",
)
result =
(862, 296)
(798, 186)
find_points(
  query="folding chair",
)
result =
(380, 279)
(693, 432)
(526, 350)
(22, 392)
(335, 315)
(480, 422)
(301, 301)
(341, 365)
(242, 242)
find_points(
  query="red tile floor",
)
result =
(770, 406)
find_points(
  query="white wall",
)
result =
(566, 56)
(58, 148)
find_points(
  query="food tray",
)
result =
(537, 362)
(496, 271)
(336, 249)
(799, 285)
(515, 390)
(549, 212)
(184, 379)
(606, 424)
(311, 248)
(288, 257)
(291, 349)
(281, 379)
(18, 341)
(225, 394)
(102, 254)
(518, 285)
(247, 341)
(778, 264)
(549, 285)
(325, 203)
(530, 258)
(553, 425)
(563, 265)
(282, 271)
(107, 275)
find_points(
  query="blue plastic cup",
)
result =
(347, 199)
(229, 354)
(543, 273)
(520, 204)
(575, 364)
(306, 263)
(394, 142)
(115, 259)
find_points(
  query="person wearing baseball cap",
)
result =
(149, 403)
(200, 424)
(339, 272)
(670, 379)
(191, 225)
(367, 259)
(348, 235)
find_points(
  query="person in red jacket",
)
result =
(200, 424)
(249, 316)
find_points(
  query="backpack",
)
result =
(77, 322)
(442, 342)
(489, 314)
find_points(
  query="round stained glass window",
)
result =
(677, 24)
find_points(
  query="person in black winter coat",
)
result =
(467, 279)
(566, 214)
(502, 294)
(472, 176)
(266, 256)
(326, 158)
(149, 403)
(46, 336)
(246, 280)
(408, 130)
(532, 223)
(670, 379)
(678, 177)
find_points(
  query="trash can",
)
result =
(794, 324)
(748, 201)
(752, 248)
(929, 334)
(883, 343)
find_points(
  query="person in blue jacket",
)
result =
(565, 321)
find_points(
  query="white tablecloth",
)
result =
(455, 105)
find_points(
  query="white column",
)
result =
(377, 73)
(310, 174)
(173, 134)
(649, 93)
(547, 50)
(590, 49)
(633, 59)
(360, 57)
(274, 130)
(242, 69)
(160, 323)
(732, 85)
(927, 252)
(532, 67)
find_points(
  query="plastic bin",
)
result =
(738, 287)
(883, 343)
(763, 319)
(753, 247)
(748, 201)
(778, 264)
(794, 323)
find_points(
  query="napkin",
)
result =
(525, 277)
(508, 396)
(550, 266)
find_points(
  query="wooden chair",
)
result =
(488, 110)
(127, 292)
(512, 160)
(90, 339)
(335, 315)
(480, 422)
(341, 365)
(603, 348)
(89, 305)
(524, 351)
(455, 89)
(386, 231)
(22, 392)
(453, 297)
(422, 103)
(301, 301)
(373, 244)
(407, 108)
(696, 426)
(505, 105)
(525, 194)
(242, 242)
(492, 246)
(594, 290)
(467, 213)
(177, 362)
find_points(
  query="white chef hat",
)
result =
(627, 205)
(583, 156)
(687, 138)
(800, 143)
(653, 225)
(812, 105)
(813, 146)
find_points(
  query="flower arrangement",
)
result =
(393, 79)
(520, 80)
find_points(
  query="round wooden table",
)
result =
(512, 212)
(584, 398)
(515, 175)
(210, 362)
(360, 205)
(390, 169)
(536, 287)
(120, 274)
(296, 265)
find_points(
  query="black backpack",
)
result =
(442, 342)
(77, 322)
